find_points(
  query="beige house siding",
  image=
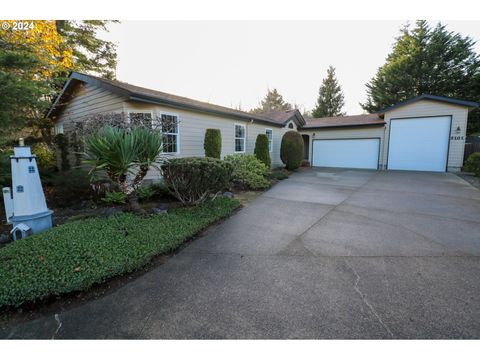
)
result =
(192, 126)
(87, 100)
(426, 108)
(346, 133)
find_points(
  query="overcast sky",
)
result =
(232, 63)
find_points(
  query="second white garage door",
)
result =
(346, 153)
(419, 143)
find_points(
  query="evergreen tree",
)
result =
(427, 61)
(22, 99)
(272, 101)
(90, 53)
(330, 97)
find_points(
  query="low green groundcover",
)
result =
(76, 255)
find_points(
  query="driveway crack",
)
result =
(59, 325)
(365, 301)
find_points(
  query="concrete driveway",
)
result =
(325, 254)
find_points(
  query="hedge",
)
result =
(291, 150)
(213, 143)
(76, 255)
(262, 151)
(248, 172)
(193, 179)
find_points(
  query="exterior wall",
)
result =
(347, 133)
(425, 108)
(88, 99)
(192, 126)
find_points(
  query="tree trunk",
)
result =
(133, 204)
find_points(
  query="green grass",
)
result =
(76, 255)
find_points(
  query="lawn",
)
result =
(78, 254)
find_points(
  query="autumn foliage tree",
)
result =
(34, 64)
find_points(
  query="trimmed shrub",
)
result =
(261, 150)
(78, 254)
(291, 150)
(45, 157)
(115, 197)
(472, 164)
(213, 143)
(192, 180)
(248, 171)
(62, 144)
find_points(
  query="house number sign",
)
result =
(456, 137)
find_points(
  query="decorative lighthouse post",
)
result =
(25, 204)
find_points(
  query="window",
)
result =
(240, 138)
(170, 133)
(31, 169)
(59, 128)
(290, 126)
(269, 134)
(141, 118)
(19, 189)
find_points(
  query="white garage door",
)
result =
(419, 144)
(346, 153)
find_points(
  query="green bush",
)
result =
(193, 179)
(291, 150)
(146, 192)
(62, 144)
(161, 189)
(213, 143)
(248, 171)
(115, 197)
(279, 175)
(78, 254)
(45, 157)
(472, 164)
(70, 187)
(5, 168)
(261, 150)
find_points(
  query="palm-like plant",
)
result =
(125, 156)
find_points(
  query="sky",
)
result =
(233, 63)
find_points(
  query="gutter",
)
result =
(152, 100)
(341, 126)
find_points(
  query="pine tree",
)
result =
(272, 101)
(427, 61)
(330, 97)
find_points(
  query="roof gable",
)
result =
(444, 99)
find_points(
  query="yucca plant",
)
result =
(125, 156)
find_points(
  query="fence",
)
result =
(470, 148)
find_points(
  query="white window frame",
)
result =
(59, 128)
(270, 141)
(140, 112)
(177, 133)
(235, 138)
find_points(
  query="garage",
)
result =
(419, 143)
(346, 153)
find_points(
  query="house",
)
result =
(424, 133)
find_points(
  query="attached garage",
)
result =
(419, 143)
(347, 153)
(426, 133)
